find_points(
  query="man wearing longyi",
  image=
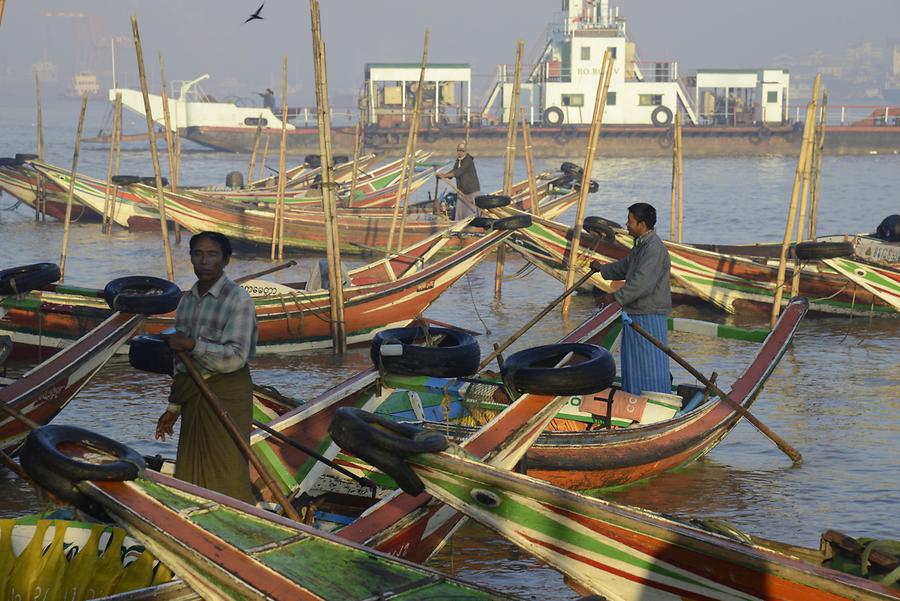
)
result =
(647, 299)
(216, 325)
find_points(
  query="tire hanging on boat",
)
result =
(457, 354)
(142, 294)
(810, 251)
(661, 116)
(535, 370)
(18, 280)
(553, 115)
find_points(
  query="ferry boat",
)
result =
(723, 111)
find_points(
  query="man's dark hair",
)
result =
(216, 237)
(644, 212)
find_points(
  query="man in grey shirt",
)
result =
(647, 299)
(466, 182)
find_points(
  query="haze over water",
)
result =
(835, 396)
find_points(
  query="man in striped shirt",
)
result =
(647, 298)
(215, 324)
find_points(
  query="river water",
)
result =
(835, 396)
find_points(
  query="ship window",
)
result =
(772, 97)
(610, 99)
(649, 99)
(585, 53)
(255, 121)
(573, 99)
(612, 51)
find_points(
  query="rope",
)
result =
(13, 207)
(487, 330)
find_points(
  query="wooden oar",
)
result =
(315, 455)
(216, 405)
(500, 348)
(779, 442)
(253, 276)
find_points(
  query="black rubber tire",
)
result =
(151, 181)
(431, 134)
(126, 180)
(764, 133)
(491, 201)
(553, 116)
(58, 473)
(10, 162)
(18, 280)
(754, 138)
(593, 186)
(142, 294)
(457, 355)
(385, 443)
(150, 353)
(340, 159)
(809, 251)
(666, 139)
(571, 169)
(515, 222)
(661, 116)
(563, 136)
(482, 222)
(6, 348)
(600, 226)
(26, 156)
(313, 160)
(532, 370)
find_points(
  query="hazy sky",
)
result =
(208, 36)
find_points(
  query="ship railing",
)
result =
(657, 70)
(858, 115)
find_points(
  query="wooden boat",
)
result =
(728, 282)
(54, 556)
(20, 181)
(359, 232)
(624, 553)
(43, 391)
(388, 292)
(578, 451)
(880, 280)
(226, 549)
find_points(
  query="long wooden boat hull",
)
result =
(728, 282)
(21, 183)
(627, 553)
(881, 281)
(47, 388)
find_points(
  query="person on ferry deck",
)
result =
(647, 299)
(268, 99)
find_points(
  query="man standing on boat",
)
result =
(268, 99)
(215, 324)
(646, 298)
(466, 182)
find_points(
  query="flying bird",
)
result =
(256, 14)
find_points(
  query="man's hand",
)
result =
(596, 265)
(165, 425)
(180, 342)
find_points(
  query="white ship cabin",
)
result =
(193, 107)
(741, 97)
(390, 93)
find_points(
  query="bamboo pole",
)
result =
(167, 123)
(40, 209)
(808, 127)
(801, 210)
(468, 125)
(680, 156)
(262, 163)
(510, 160)
(409, 143)
(154, 152)
(329, 204)
(176, 177)
(673, 204)
(529, 167)
(117, 170)
(255, 149)
(597, 120)
(355, 176)
(817, 168)
(410, 174)
(278, 225)
(2, 4)
(71, 191)
(106, 224)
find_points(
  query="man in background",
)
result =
(466, 182)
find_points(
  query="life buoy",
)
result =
(492, 201)
(18, 280)
(661, 116)
(523, 371)
(142, 294)
(457, 354)
(385, 443)
(554, 116)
